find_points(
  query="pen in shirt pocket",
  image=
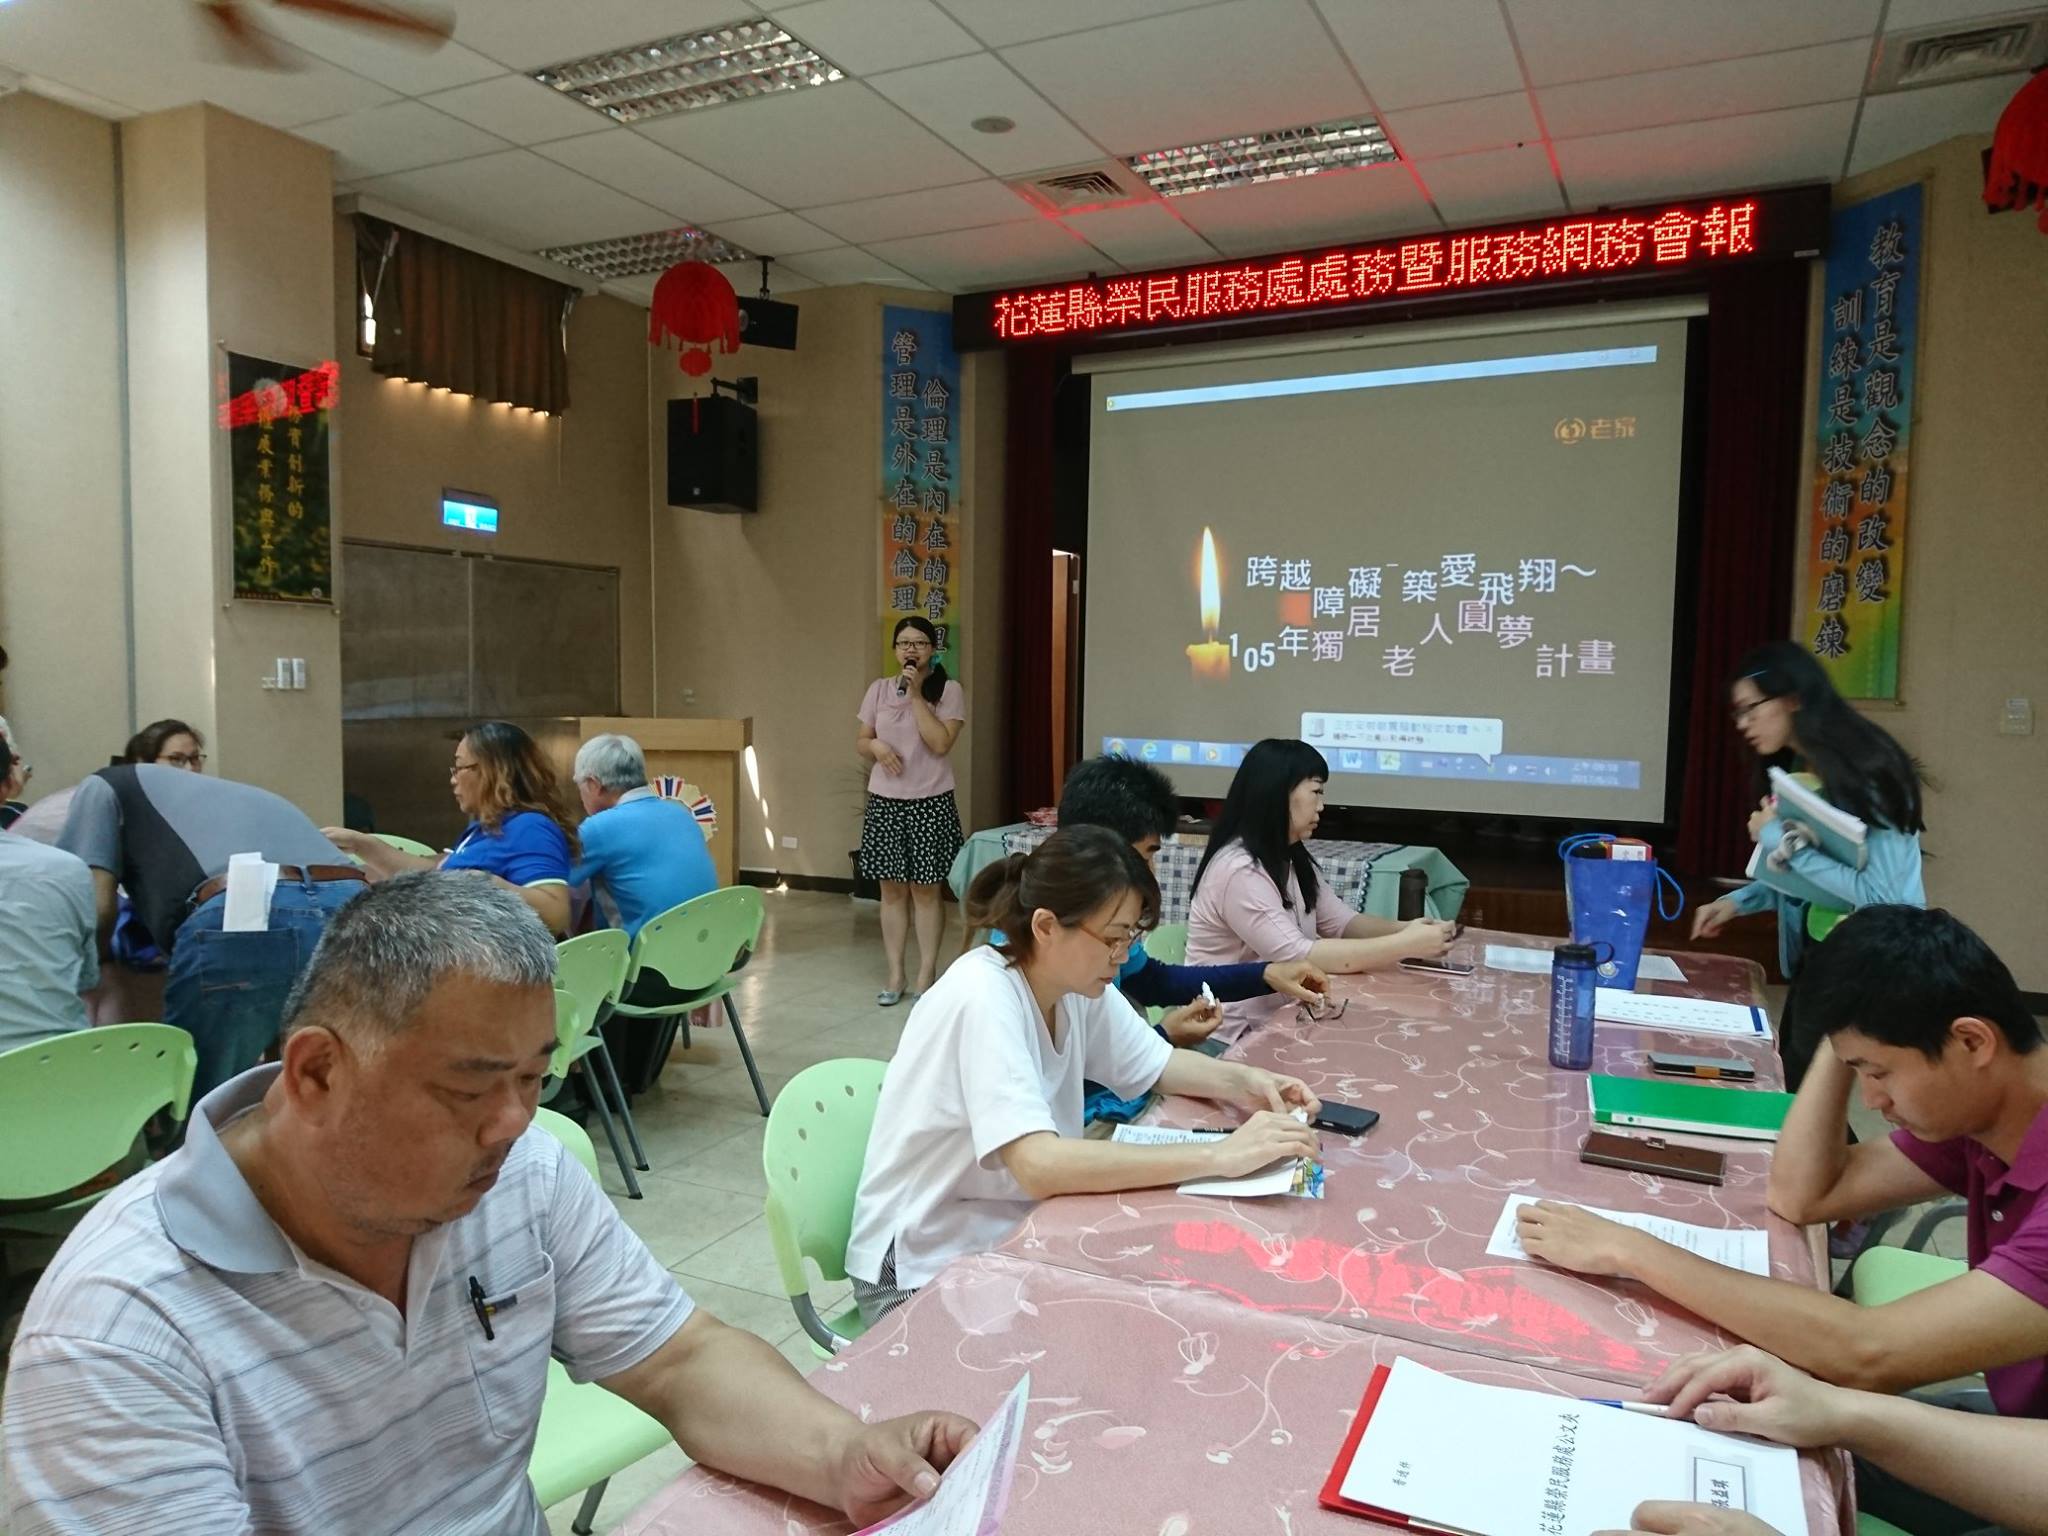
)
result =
(487, 1308)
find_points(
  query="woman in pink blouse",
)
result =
(1258, 893)
(911, 831)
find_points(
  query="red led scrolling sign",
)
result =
(1627, 243)
(299, 395)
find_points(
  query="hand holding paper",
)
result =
(889, 1459)
(1577, 1237)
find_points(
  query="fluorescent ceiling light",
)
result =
(1256, 157)
(733, 62)
(630, 255)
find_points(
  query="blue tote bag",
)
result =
(1608, 902)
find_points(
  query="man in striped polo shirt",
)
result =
(332, 1309)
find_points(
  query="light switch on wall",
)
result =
(298, 671)
(2017, 718)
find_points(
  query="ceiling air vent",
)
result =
(1939, 56)
(1109, 184)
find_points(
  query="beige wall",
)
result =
(569, 488)
(63, 609)
(1976, 572)
(774, 614)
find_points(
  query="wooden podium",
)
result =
(706, 752)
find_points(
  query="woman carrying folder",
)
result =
(1787, 709)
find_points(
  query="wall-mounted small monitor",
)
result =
(469, 511)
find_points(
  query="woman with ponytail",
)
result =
(911, 829)
(981, 1109)
(1787, 709)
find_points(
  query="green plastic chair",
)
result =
(694, 948)
(816, 1141)
(1870, 1525)
(1882, 1275)
(408, 845)
(71, 1106)
(592, 969)
(575, 1040)
(1168, 944)
(587, 1436)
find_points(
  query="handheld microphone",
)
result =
(902, 689)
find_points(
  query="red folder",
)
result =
(1332, 1497)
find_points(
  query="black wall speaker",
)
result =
(768, 323)
(713, 454)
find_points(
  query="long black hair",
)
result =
(934, 680)
(1255, 814)
(1863, 770)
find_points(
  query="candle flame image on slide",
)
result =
(1211, 659)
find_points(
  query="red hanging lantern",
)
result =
(2017, 174)
(695, 306)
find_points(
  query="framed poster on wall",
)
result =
(278, 422)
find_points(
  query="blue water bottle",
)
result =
(1574, 980)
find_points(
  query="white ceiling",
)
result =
(1500, 108)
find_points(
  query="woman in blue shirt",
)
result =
(519, 828)
(1787, 709)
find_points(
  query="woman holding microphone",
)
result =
(911, 830)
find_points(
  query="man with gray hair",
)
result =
(332, 1309)
(641, 854)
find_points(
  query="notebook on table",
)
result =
(1700, 1108)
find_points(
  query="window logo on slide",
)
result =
(1573, 430)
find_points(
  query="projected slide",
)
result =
(1447, 563)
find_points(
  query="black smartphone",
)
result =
(1438, 967)
(1345, 1119)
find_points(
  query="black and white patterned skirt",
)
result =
(913, 841)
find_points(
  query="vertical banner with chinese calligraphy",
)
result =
(1853, 605)
(920, 491)
(278, 419)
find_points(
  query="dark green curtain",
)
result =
(450, 317)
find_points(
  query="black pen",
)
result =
(486, 1309)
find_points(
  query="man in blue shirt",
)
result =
(641, 854)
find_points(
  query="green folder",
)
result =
(1703, 1109)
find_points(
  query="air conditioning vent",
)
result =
(1939, 56)
(1106, 185)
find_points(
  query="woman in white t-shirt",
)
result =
(981, 1110)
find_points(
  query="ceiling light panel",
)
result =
(734, 62)
(631, 255)
(1256, 157)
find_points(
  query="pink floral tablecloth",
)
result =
(1195, 1361)
(1155, 1411)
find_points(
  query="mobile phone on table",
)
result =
(1653, 1154)
(1674, 1065)
(1345, 1119)
(1438, 967)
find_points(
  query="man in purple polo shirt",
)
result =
(1928, 1023)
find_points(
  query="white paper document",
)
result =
(1293, 1176)
(1536, 962)
(251, 879)
(1746, 1249)
(975, 1489)
(1554, 1466)
(1679, 1015)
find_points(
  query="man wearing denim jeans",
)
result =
(165, 836)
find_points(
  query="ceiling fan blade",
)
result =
(241, 41)
(427, 26)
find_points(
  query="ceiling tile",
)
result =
(923, 213)
(1309, 210)
(1730, 154)
(1899, 124)
(1410, 54)
(1585, 39)
(637, 166)
(774, 234)
(803, 148)
(1147, 235)
(948, 97)
(169, 56)
(966, 259)
(1001, 22)
(1795, 78)
(408, 69)
(525, 34)
(398, 137)
(865, 36)
(519, 199)
(516, 108)
(1452, 128)
(1493, 186)
(1233, 68)
(849, 264)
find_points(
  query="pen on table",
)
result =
(1656, 1409)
